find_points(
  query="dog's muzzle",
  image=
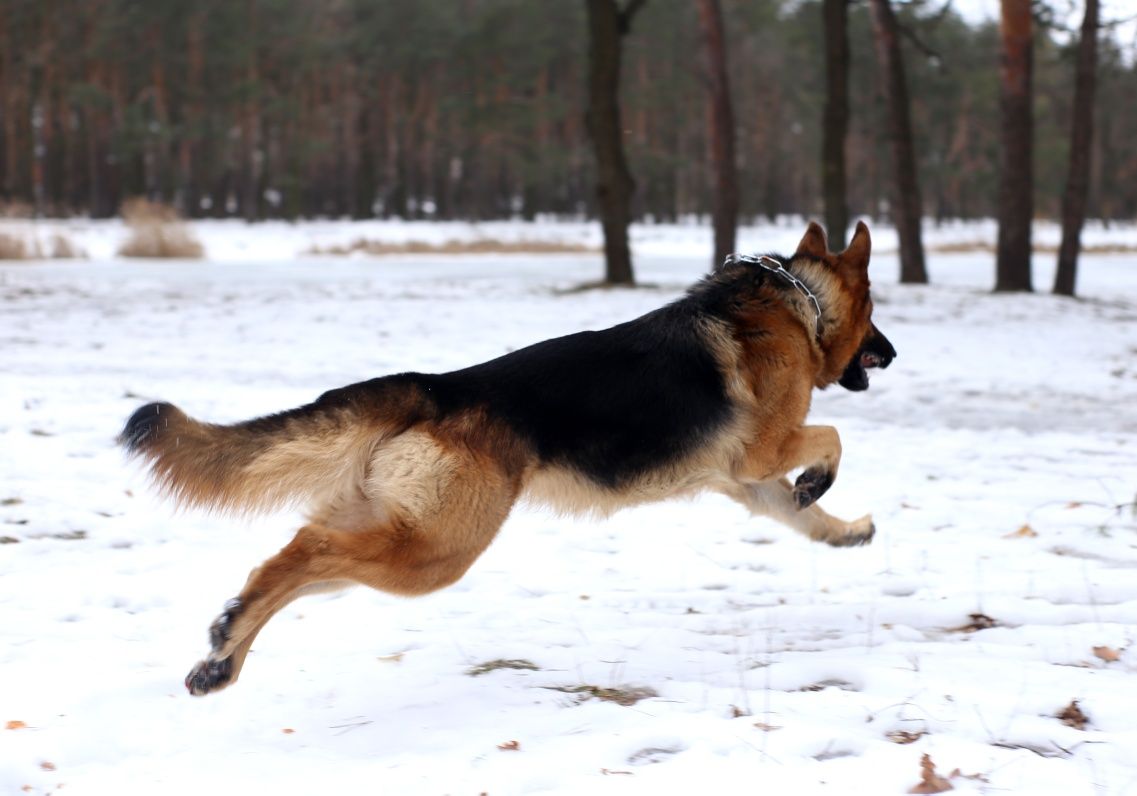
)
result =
(875, 352)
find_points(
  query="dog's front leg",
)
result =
(776, 499)
(816, 448)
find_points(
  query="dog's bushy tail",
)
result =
(291, 458)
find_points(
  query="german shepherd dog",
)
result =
(407, 478)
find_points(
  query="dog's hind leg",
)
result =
(406, 552)
(776, 499)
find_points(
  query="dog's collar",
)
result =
(774, 266)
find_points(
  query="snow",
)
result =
(780, 666)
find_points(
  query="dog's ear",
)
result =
(813, 244)
(856, 256)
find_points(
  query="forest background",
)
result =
(476, 109)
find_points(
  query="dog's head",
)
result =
(850, 340)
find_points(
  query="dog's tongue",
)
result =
(869, 360)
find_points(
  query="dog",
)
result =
(407, 478)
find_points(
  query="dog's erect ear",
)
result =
(857, 255)
(814, 243)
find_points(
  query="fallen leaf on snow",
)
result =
(1072, 716)
(1107, 654)
(47, 766)
(978, 622)
(904, 736)
(764, 727)
(1025, 532)
(288, 730)
(930, 781)
(15, 725)
(510, 746)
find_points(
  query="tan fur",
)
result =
(406, 504)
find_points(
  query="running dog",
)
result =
(407, 478)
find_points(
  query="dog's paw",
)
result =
(857, 534)
(222, 628)
(811, 485)
(209, 675)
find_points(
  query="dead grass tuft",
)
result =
(60, 247)
(16, 209)
(12, 248)
(501, 663)
(978, 622)
(625, 695)
(380, 248)
(156, 230)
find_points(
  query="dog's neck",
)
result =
(776, 267)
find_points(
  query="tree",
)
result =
(1016, 182)
(607, 25)
(835, 119)
(907, 208)
(1081, 140)
(724, 203)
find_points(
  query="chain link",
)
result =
(764, 261)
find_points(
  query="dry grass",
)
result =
(476, 246)
(501, 663)
(156, 230)
(59, 247)
(12, 248)
(16, 209)
(627, 695)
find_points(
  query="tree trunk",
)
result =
(724, 203)
(835, 121)
(907, 208)
(607, 24)
(1012, 266)
(1081, 141)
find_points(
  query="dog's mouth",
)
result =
(856, 375)
(875, 352)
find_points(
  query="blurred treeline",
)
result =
(475, 109)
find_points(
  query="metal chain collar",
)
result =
(772, 265)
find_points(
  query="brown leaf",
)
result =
(1072, 716)
(1074, 504)
(288, 730)
(904, 736)
(1025, 532)
(47, 766)
(736, 712)
(930, 781)
(1107, 654)
(764, 727)
(15, 725)
(510, 746)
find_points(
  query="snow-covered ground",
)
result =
(779, 666)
